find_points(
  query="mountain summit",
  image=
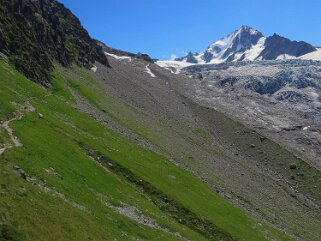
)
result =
(248, 44)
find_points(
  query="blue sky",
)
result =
(162, 28)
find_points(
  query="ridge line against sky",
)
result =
(165, 28)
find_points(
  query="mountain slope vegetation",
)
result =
(122, 152)
(73, 174)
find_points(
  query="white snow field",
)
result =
(316, 55)
(119, 57)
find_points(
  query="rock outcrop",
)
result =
(34, 33)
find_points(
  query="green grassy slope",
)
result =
(268, 187)
(72, 174)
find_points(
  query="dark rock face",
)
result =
(269, 86)
(208, 56)
(227, 82)
(290, 96)
(189, 58)
(277, 45)
(33, 33)
(304, 83)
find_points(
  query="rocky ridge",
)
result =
(34, 34)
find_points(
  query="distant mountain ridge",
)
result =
(119, 52)
(248, 44)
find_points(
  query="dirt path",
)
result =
(5, 125)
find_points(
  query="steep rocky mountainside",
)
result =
(36, 33)
(276, 46)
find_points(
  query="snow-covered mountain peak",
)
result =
(249, 29)
(243, 31)
(247, 44)
(242, 44)
(233, 46)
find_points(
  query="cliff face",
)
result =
(34, 33)
(277, 45)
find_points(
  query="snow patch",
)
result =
(148, 71)
(315, 55)
(285, 57)
(256, 50)
(119, 57)
(94, 69)
(174, 66)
